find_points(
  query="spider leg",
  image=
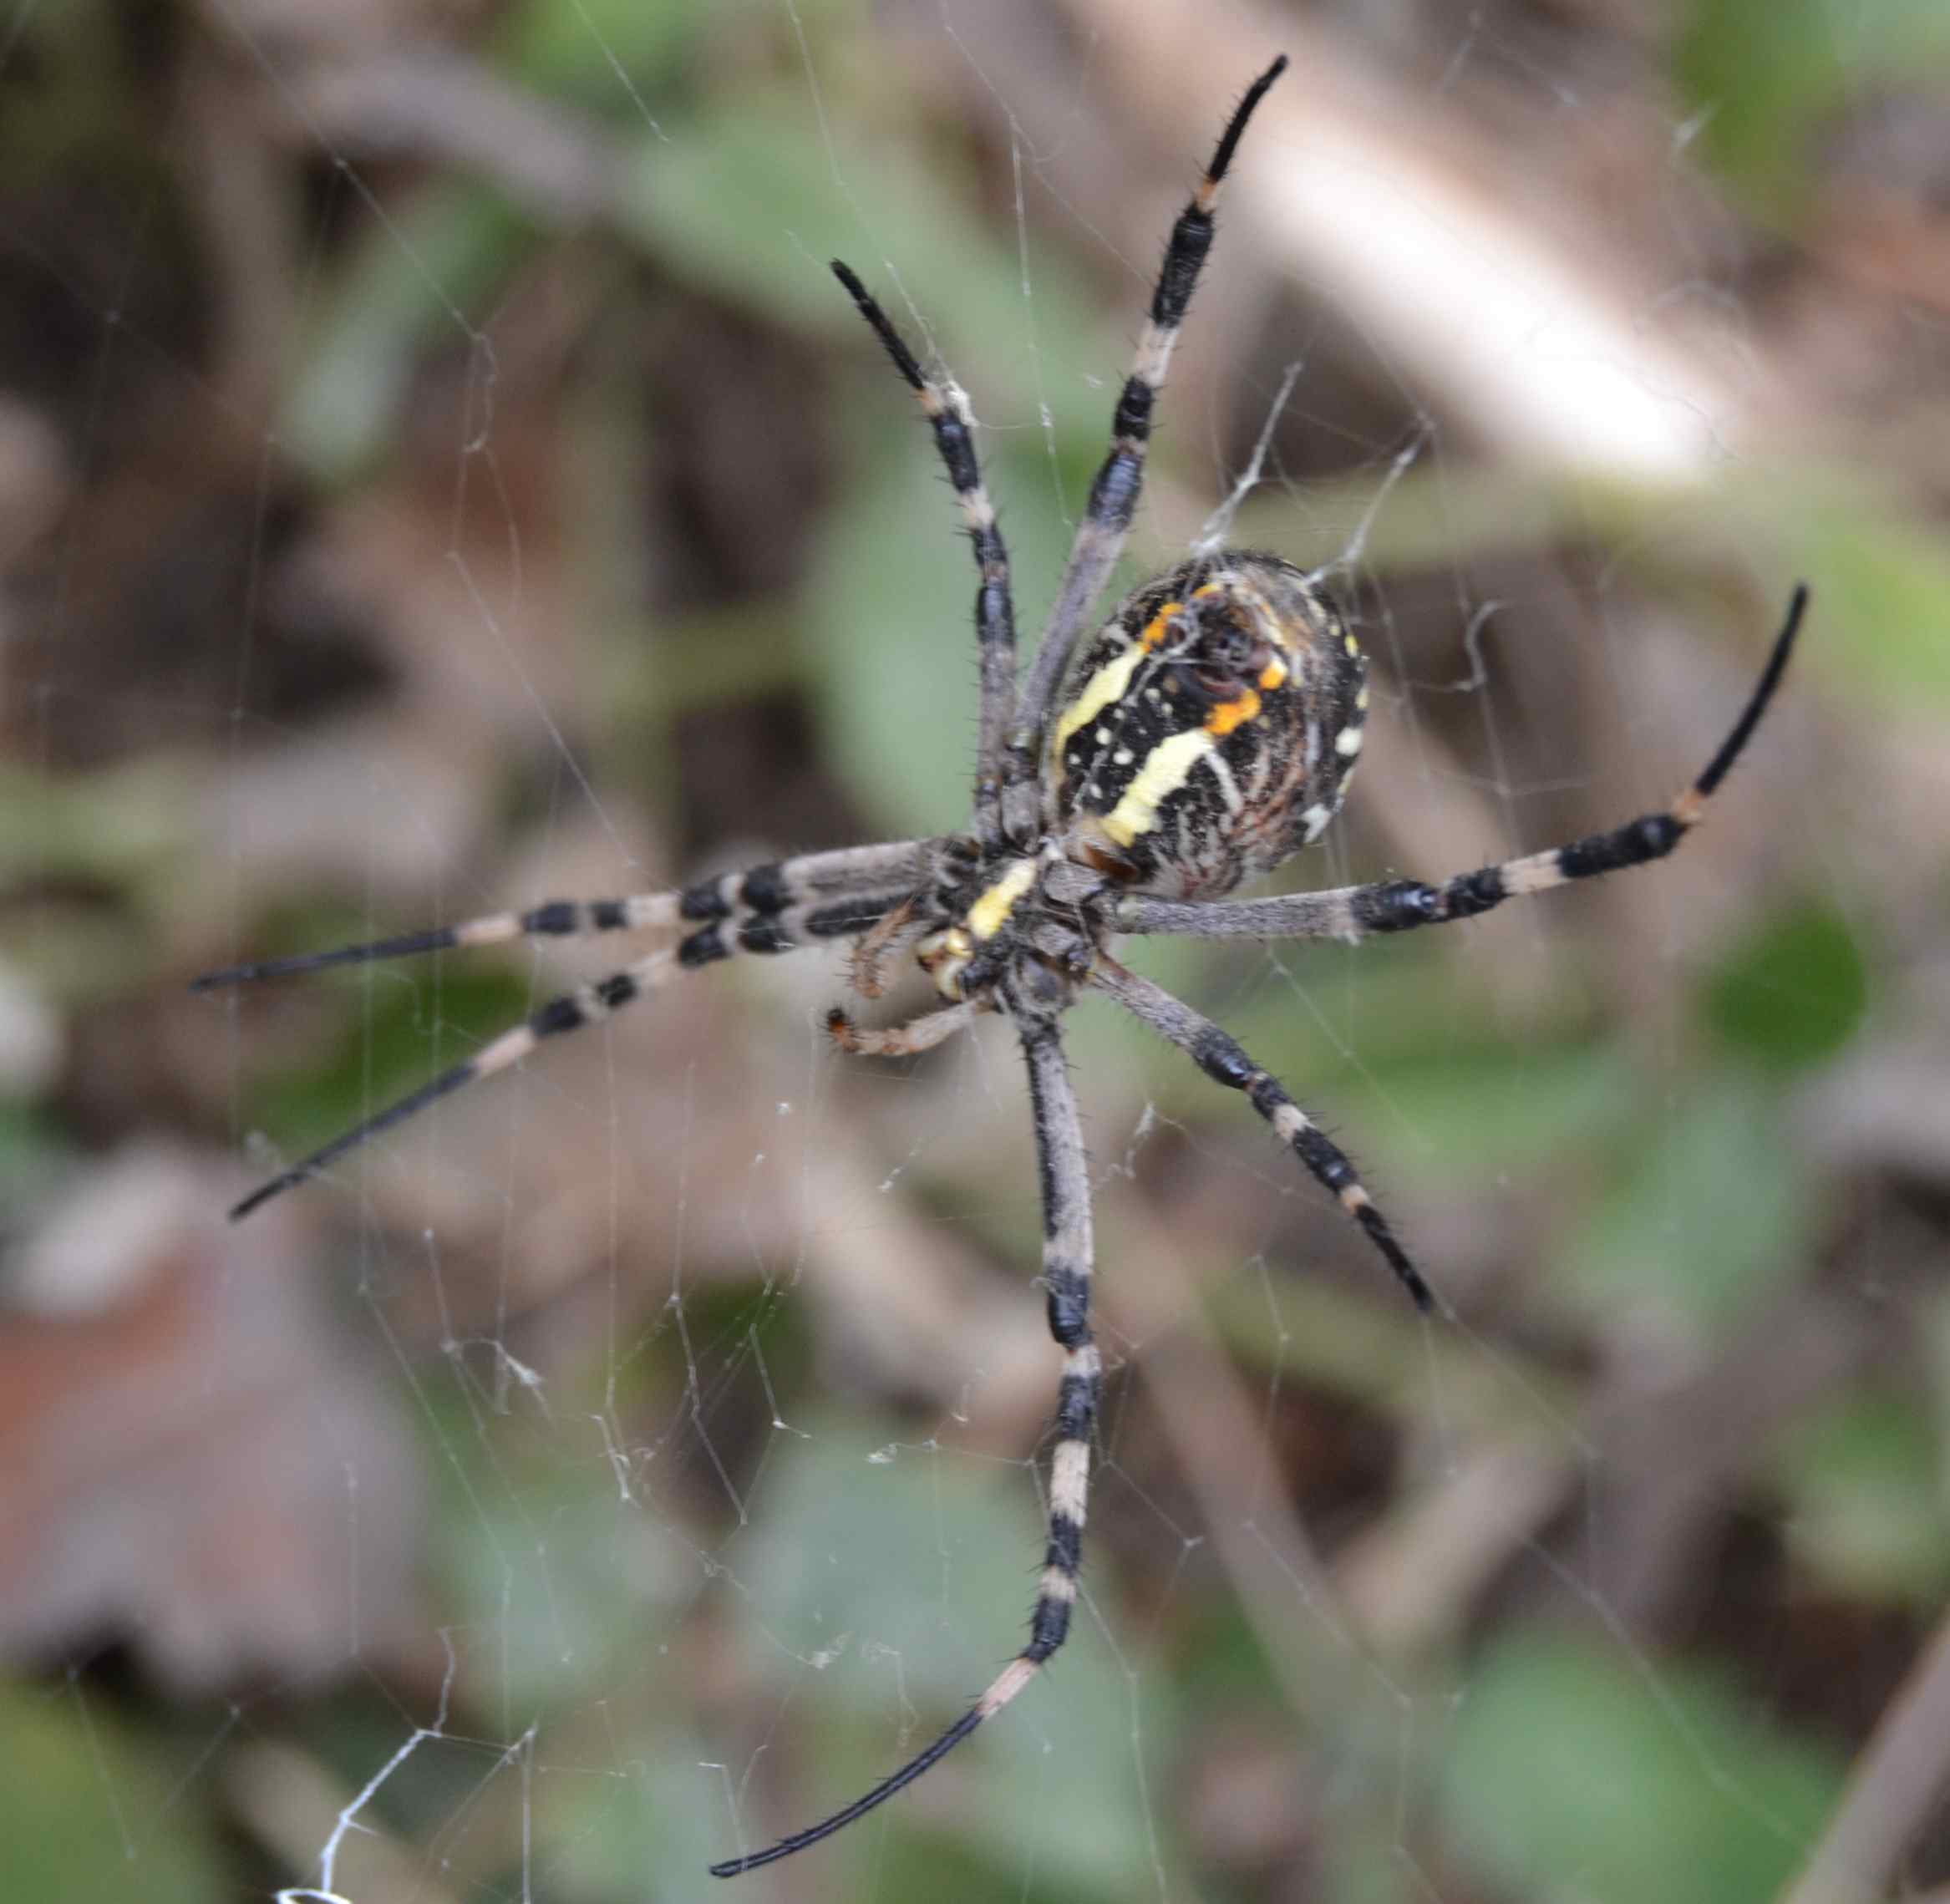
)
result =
(924, 1033)
(749, 896)
(1221, 1057)
(812, 919)
(1401, 905)
(1066, 1272)
(1114, 493)
(901, 929)
(947, 410)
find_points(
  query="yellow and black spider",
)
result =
(1204, 735)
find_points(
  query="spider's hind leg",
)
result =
(767, 909)
(1220, 1056)
(743, 898)
(1067, 1262)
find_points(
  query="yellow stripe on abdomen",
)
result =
(1166, 769)
(1109, 682)
(1105, 686)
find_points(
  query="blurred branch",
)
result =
(1680, 1450)
(1669, 1456)
(1897, 1781)
(1418, 1575)
(1220, 1440)
(1435, 255)
(452, 111)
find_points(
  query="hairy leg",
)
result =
(1221, 1057)
(1113, 494)
(1066, 1272)
(1402, 904)
(767, 909)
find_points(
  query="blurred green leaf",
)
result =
(1710, 1211)
(435, 254)
(1416, 1071)
(1760, 73)
(1571, 1774)
(36, 1163)
(413, 1025)
(1764, 74)
(82, 112)
(890, 619)
(568, 1610)
(1866, 1499)
(604, 54)
(643, 1832)
(754, 199)
(1503, 1111)
(1880, 618)
(895, 680)
(1358, 1019)
(89, 1816)
(118, 826)
(1792, 992)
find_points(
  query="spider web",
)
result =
(439, 475)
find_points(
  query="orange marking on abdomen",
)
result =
(1229, 714)
(1155, 628)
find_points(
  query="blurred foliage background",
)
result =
(437, 473)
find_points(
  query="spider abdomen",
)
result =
(1209, 731)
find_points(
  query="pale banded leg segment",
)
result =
(1222, 1058)
(1114, 493)
(947, 414)
(555, 918)
(757, 892)
(1402, 904)
(812, 919)
(1066, 1272)
(898, 932)
(922, 1034)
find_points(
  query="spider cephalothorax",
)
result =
(1205, 734)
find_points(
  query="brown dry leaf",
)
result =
(192, 1455)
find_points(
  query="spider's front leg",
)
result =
(948, 415)
(1113, 499)
(1067, 1262)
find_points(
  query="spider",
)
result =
(1202, 735)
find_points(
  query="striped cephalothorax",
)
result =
(1205, 734)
